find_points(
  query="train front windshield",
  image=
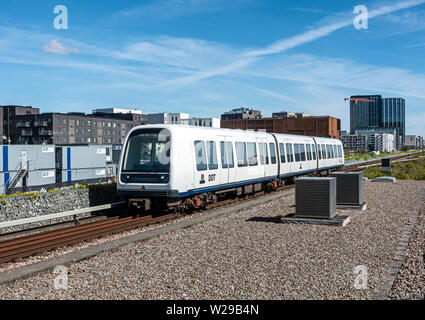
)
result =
(147, 150)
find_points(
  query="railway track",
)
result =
(29, 245)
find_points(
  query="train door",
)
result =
(294, 166)
(227, 168)
(262, 147)
(231, 159)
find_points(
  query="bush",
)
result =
(412, 170)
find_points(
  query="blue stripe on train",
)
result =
(227, 186)
(6, 166)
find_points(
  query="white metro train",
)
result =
(181, 167)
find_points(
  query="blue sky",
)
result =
(205, 57)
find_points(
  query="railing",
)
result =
(24, 124)
(21, 169)
(40, 124)
(26, 133)
(44, 132)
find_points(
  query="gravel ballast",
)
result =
(410, 281)
(243, 256)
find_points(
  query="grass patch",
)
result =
(411, 170)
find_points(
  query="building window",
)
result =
(78, 122)
(109, 124)
(64, 121)
(88, 123)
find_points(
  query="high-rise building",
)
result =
(393, 116)
(382, 115)
(365, 114)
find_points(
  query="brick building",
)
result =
(325, 126)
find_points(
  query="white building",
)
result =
(202, 122)
(385, 142)
(117, 110)
(414, 142)
(167, 118)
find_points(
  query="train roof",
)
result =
(175, 127)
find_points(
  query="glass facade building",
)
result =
(393, 116)
(365, 114)
(381, 114)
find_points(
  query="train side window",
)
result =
(335, 152)
(230, 155)
(313, 150)
(266, 153)
(297, 152)
(340, 151)
(282, 152)
(319, 151)
(261, 153)
(223, 152)
(323, 151)
(272, 153)
(241, 154)
(212, 155)
(201, 157)
(252, 154)
(328, 152)
(302, 152)
(308, 151)
(289, 152)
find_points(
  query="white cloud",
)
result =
(292, 42)
(55, 46)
